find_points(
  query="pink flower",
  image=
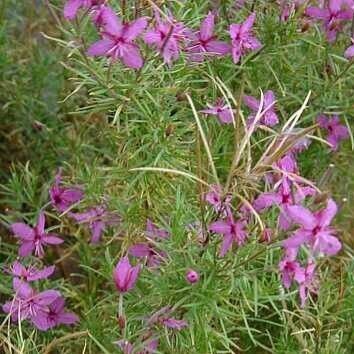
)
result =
(349, 53)
(72, 7)
(287, 7)
(27, 303)
(314, 230)
(63, 198)
(192, 276)
(214, 197)
(205, 43)
(125, 275)
(289, 268)
(243, 40)
(149, 346)
(153, 232)
(283, 197)
(222, 111)
(34, 239)
(31, 273)
(149, 250)
(98, 218)
(270, 117)
(305, 277)
(163, 317)
(54, 315)
(233, 232)
(168, 37)
(118, 41)
(336, 131)
(332, 16)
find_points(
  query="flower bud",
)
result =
(192, 276)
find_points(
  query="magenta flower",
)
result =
(168, 37)
(27, 303)
(149, 250)
(289, 268)
(214, 197)
(305, 277)
(34, 239)
(163, 317)
(205, 43)
(54, 315)
(125, 275)
(332, 16)
(101, 15)
(63, 198)
(243, 40)
(288, 7)
(73, 6)
(314, 229)
(153, 232)
(233, 232)
(270, 117)
(282, 198)
(98, 218)
(192, 276)
(336, 131)
(349, 53)
(118, 41)
(222, 111)
(149, 346)
(31, 273)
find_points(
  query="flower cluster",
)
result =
(167, 36)
(289, 193)
(46, 309)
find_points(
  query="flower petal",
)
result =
(301, 216)
(71, 7)
(23, 231)
(100, 47)
(132, 57)
(207, 27)
(134, 29)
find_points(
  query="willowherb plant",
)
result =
(257, 206)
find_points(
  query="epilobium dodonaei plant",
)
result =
(191, 221)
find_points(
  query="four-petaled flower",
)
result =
(332, 16)
(63, 198)
(54, 315)
(269, 117)
(336, 131)
(33, 239)
(149, 250)
(233, 232)
(168, 37)
(243, 40)
(118, 41)
(315, 229)
(221, 110)
(205, 43)
(27, 302)
(307, 281)
(30, 273)
(283, 197)
(98, 218)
